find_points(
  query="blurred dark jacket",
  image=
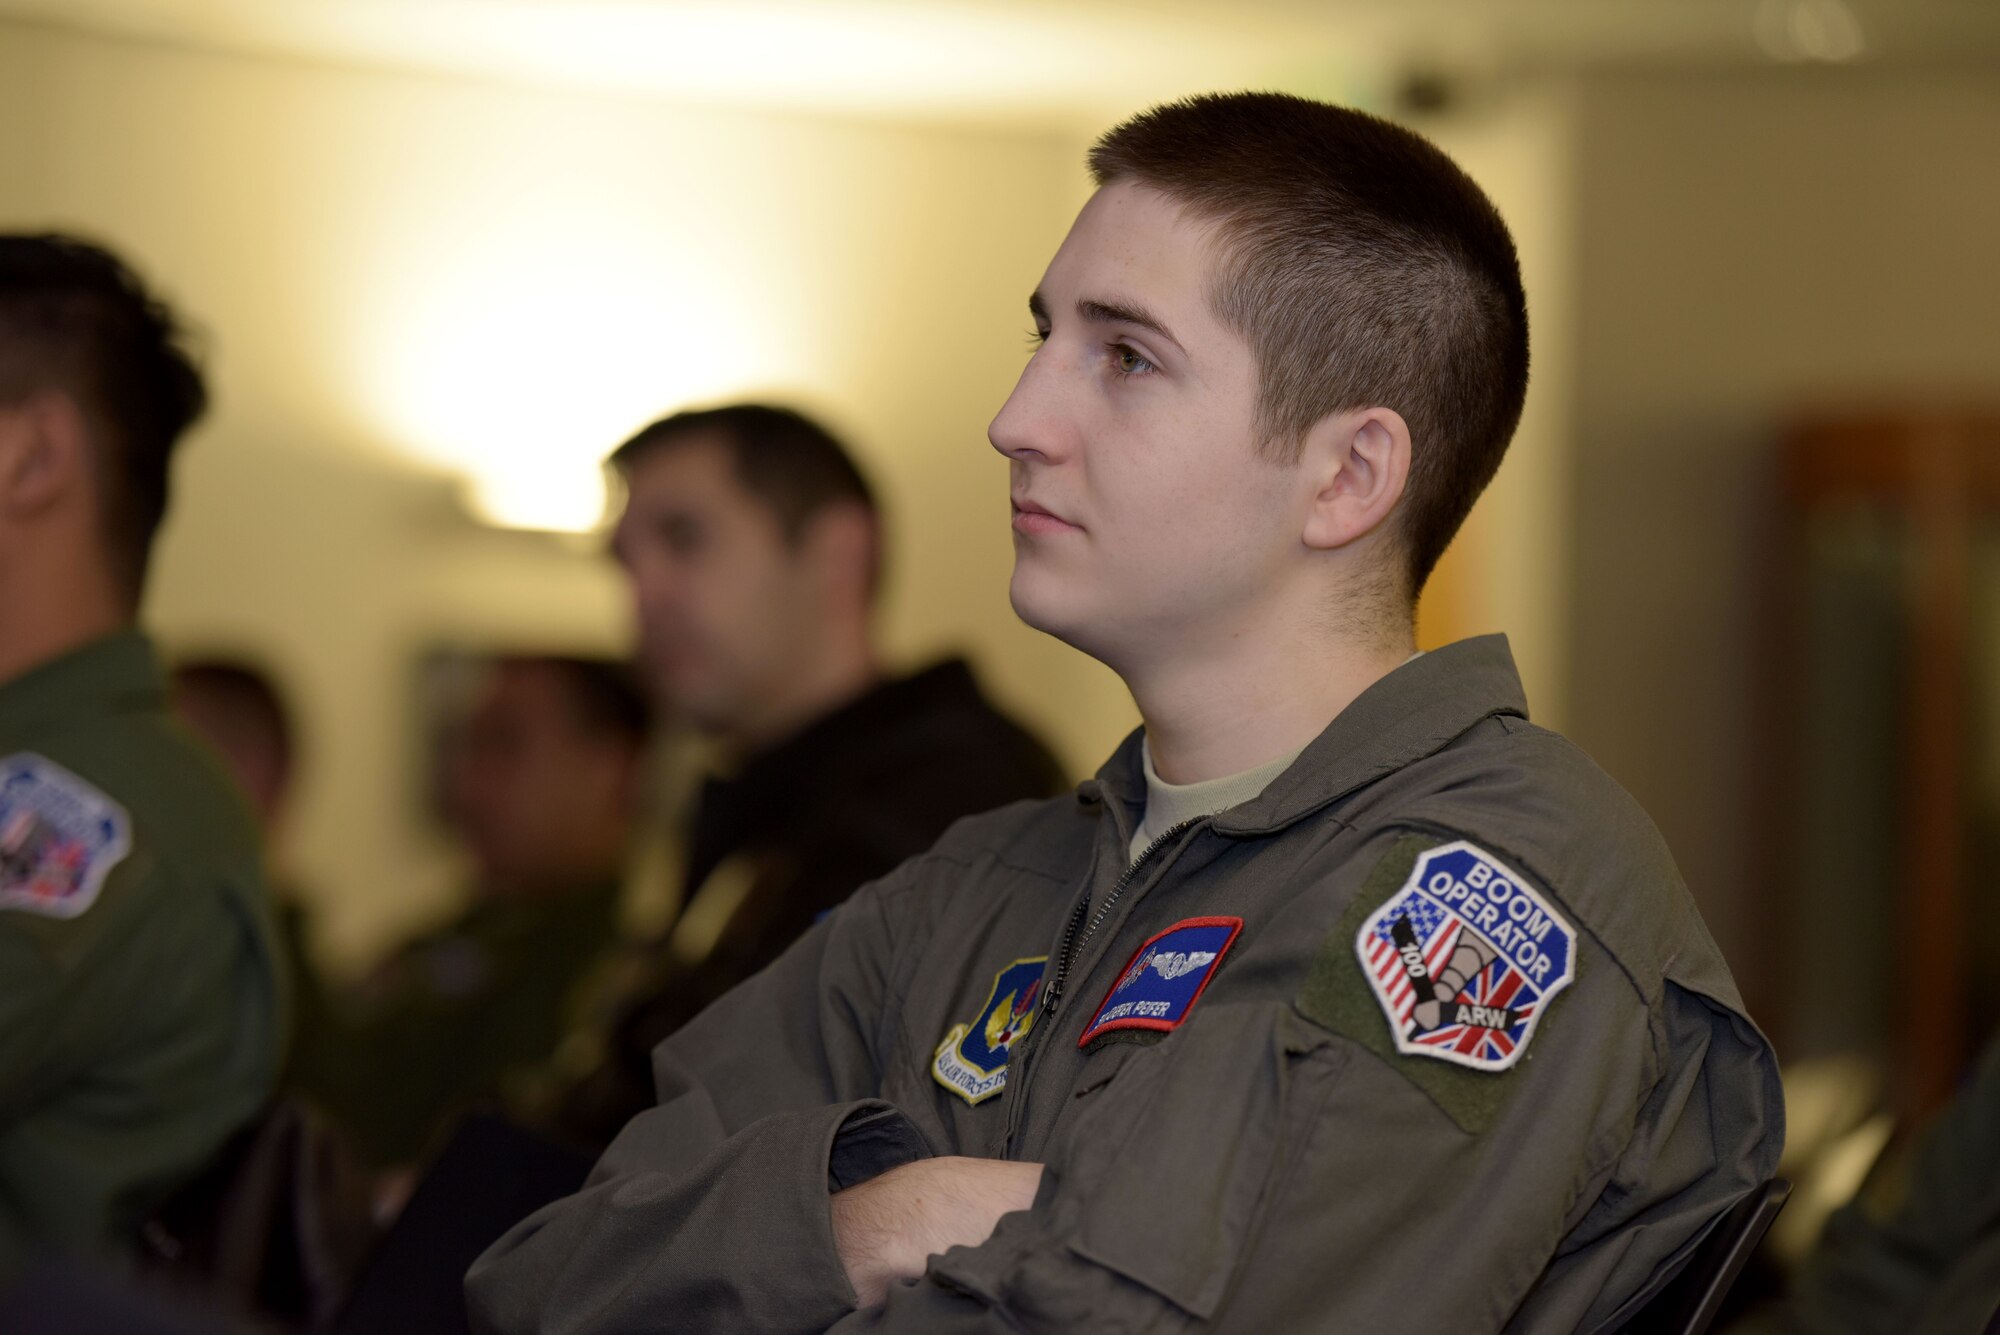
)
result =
(1918, 1250)
(779, 845)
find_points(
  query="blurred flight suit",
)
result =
(1925, 1260)
(452, 1014)
(140, 995)
(1207, 1048)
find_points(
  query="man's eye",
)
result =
(1129, 361)
(682, 538)
(1037, 337)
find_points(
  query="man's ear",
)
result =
(1358, 464)
(841, 541)
(44, 454)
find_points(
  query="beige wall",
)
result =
(1748, 244)
(385, 265)
(1507, 569)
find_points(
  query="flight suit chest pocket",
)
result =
(1174, 1160)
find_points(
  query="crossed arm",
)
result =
(885, 1229)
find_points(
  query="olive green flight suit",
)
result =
(454, 1014)
(140, 998)
(1273, 1155)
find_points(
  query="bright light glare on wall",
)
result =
(861, 54)
(1815, 30)
(523, 359)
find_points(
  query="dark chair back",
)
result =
(276, 1228)
(490, 1175)
(1690, 1300)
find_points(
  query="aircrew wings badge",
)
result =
(1465, 958)
(59, 838)
(1164, 978)
(972, 1060)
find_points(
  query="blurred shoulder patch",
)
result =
(59, 838)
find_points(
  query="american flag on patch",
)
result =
(1465, 958)
(1436, 932)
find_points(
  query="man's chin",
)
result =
(1045, 610)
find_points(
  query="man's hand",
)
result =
(886, 1228)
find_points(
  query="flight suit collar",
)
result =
(118, 672)
(1415, 711)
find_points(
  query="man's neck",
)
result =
(1215, 712)
(41, 620)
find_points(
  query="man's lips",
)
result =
(1037, 520)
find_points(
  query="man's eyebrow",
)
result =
(1118, 312)
(1107, 312)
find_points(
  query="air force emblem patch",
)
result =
(972, 1060)
(59, 838)
(1465, 958)
(1165, 976)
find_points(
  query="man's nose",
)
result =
(1029, 426)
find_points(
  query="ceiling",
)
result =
(1045, 59)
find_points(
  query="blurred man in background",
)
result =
(1917, 1252)
(542, 785)
(754, 550)
(237, 709)
(140, 993)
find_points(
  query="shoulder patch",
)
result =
(59, 838)
(1164, 978)
(971, 1062)
(1464, 958)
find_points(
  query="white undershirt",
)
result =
(1169, 804)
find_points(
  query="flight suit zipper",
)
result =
(1071, 947)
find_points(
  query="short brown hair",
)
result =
(794, 466)
(1364, 268)
(791, 463)
(75, 318)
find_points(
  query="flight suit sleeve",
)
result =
(33, 993)
(713, 1206)
(62, 973)
(149, 982)
(47, 1030)
(1268, 1167)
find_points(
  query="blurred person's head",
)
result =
(1283, 350)
(96, 389)
(542, 780)
(753, 546)
(236, 708)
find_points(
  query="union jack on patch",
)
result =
(1465, 958)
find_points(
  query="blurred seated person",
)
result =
(141, 1015)
(754, 550)
(237, 709)
(542, 785)
(1917, 1252)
